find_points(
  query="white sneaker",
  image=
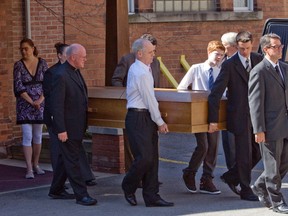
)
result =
(29, 175)
(38, 170)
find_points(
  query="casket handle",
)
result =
(164, 115)
(90, 109)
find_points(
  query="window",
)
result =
(191, 5)
(192, 10)
(177, 5)
(183, 5)
(131, 7)
(243, 5)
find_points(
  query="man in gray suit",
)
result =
(234, 75)
(268, 101)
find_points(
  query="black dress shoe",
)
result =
(160, 203)
(231, 185)
(262, 197)
(87, 201)
(249, 197)
(91, 183)
(283, 208)
(62, 195)
(131, 199)
(140, 185)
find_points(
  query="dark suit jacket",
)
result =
(119, 77)
(69, 108)
(47, 87)
(268, 100)
(234, 77)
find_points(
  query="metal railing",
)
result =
(184, 63)
(167, 74)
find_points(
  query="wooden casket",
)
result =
(183, 111)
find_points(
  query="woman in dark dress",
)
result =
(28, 76)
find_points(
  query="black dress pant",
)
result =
(55, 144)
(228, 142)
(143, 139)
(68, 166)
(247, 156)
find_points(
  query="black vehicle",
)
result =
(279, 27)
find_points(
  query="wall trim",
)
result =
(195, 17)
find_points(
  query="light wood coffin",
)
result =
(183, 111)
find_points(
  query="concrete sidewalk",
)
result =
(175, 152)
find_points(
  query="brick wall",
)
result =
(225, 5)
(11, 18)
(47, 27)
(190, 39)
(85, 24)
(108, 153)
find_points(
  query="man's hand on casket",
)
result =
(212, 127)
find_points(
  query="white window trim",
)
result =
(131, 7)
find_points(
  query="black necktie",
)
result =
(279, 73)
(211, 79)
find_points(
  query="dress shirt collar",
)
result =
(243, 60)
(273, 64)
(146, 67)
(207, 66)
(227, 57)
(70, 66)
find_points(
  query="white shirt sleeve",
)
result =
(149, 99)
(187, 80)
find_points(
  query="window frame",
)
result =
(131, 7)
(249, 8)
(154, 17)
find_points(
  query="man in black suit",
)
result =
(268, 101)
(69, 111)
(234, 76)
(53, 139)
(228, 40)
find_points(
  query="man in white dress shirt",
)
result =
(202, 76)
(142, 122)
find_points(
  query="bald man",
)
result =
(69, 111)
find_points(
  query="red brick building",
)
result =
(179, 30)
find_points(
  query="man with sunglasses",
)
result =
(268, 101)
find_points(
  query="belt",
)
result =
(137, 110)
